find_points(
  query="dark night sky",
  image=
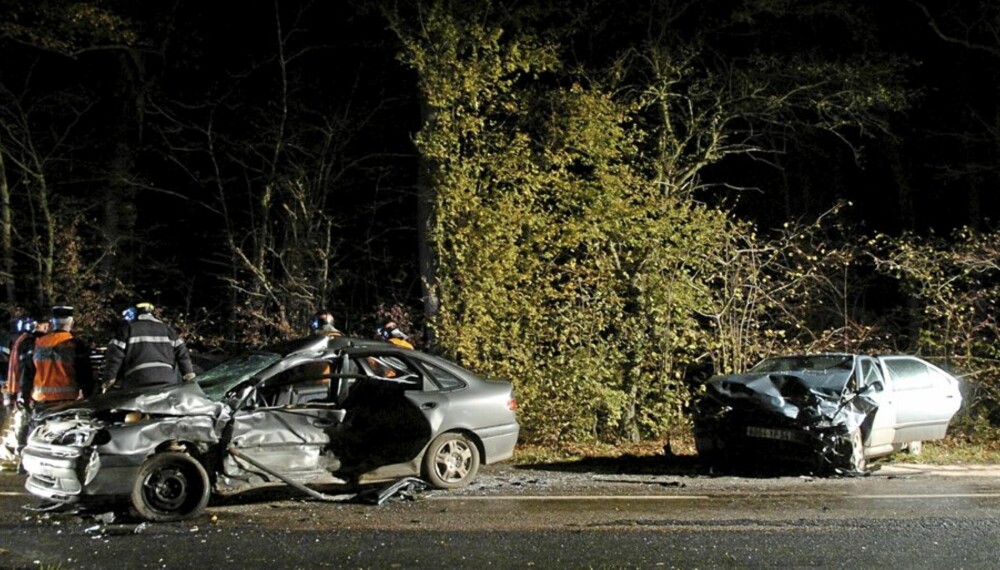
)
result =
(938, 173)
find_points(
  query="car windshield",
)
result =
(812, 363)
(224, 377)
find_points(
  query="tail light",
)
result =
(512, 403)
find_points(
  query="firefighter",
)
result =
(322, 323)
(59, 365)
(17, 416)
(390, 332)
(146, 352)
(24, 329)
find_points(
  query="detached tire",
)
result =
(451, 461)
(170, 487)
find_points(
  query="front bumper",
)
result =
(817, 448)
(66, 474)
(59, 472)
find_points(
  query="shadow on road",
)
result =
(627, 465)
(676, 465)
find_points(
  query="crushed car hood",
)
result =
(805, 397)
(178, 400)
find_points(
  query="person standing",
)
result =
(16, 420)
(146, 352)
(58, 368)
(322, 323)
(390, 332)
(24, 328)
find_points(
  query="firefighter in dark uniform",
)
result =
(146, 352)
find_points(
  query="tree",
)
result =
(570, 251)
(955, 287)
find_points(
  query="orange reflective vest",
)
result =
(401, 343)
(55, 371)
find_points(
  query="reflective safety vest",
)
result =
(55, 371)
(401, 343)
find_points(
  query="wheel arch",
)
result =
(471, 435)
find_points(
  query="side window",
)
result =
(869, 372)
(937, 379)
(303, 383)
(446, 380)
(908, 374)
(394, 369)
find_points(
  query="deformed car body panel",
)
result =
(812, 409)
(805, 398)
(317, 411)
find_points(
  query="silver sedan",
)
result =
(312, 411)
(831, 411)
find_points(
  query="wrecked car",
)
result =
(313, 411)
(829, 412)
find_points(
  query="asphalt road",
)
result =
(589, 515)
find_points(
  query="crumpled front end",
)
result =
(774, 420)
(97, 446)
(60, 458)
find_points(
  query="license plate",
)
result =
(772, 433)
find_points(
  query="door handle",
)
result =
(323, 423)
(428, 406)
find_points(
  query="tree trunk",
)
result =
(426, 199)
(6, 234)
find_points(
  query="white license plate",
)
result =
(772, 433)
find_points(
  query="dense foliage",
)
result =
(603, 205)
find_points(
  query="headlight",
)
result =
(74, 438)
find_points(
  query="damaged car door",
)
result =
(285, 425)
(386, 426)
(876, 387)
(925, 398)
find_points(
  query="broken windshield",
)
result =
(222, 378)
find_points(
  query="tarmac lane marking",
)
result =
(692, 497)
(932, 496)
(12, 493)
(570, 498)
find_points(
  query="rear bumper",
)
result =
(498, 442)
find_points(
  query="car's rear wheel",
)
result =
(170, 487)
(451, 461)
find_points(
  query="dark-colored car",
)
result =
(313, 411)
(831, 412)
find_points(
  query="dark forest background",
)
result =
(604, 202)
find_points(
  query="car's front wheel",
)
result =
(170, 487)
(451, 461)
(856, 460)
